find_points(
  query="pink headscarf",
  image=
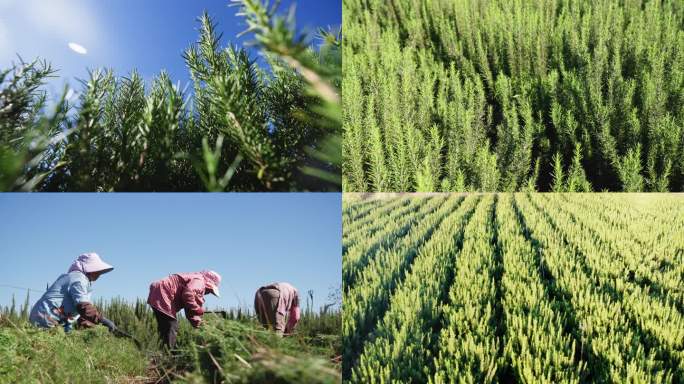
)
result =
(90, 262)
(212, 280)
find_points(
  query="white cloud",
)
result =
(68, 19)
(78, 48)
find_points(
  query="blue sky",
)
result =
(251, 239)
(148, 35)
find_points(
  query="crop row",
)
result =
(532, 288)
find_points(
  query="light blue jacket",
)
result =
(58, 304)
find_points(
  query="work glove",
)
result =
(88, 313)
(108, 323)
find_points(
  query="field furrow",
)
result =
(353, 210)
(655, 244)
(373, 219)
(368, 300)
(656, 320)
(380, 223)
(394, 226)
(468, 342)
(519, 288)
(534, 324)
(653, 265)
(400, 346)
(611, 332)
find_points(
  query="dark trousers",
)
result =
(167, 328)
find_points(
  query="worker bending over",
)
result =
(180, 291)
(68, 300)
(277, 307)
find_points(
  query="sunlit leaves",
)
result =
(510, 84)
(515, 288)
(277, 121)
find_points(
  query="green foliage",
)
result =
(243, 127)
(577, 178)
(468, 340)
(557, 173)
(322, 72)
(532, 180)
(229, 347)
(629, 170)
(236, 352)
(507, 84)
(25, 133)
(93, 356)
(513, 288)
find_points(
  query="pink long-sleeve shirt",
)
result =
(287, 303)
(179, 291)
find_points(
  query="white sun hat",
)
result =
(90, 262)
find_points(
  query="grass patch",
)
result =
(230, 349)
(30, 355)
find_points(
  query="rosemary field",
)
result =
(526, 288)
(512, 95)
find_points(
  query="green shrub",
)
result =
(509, 84)
(229, 347)
(244, 126)
(513, 287)
(30, 355)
